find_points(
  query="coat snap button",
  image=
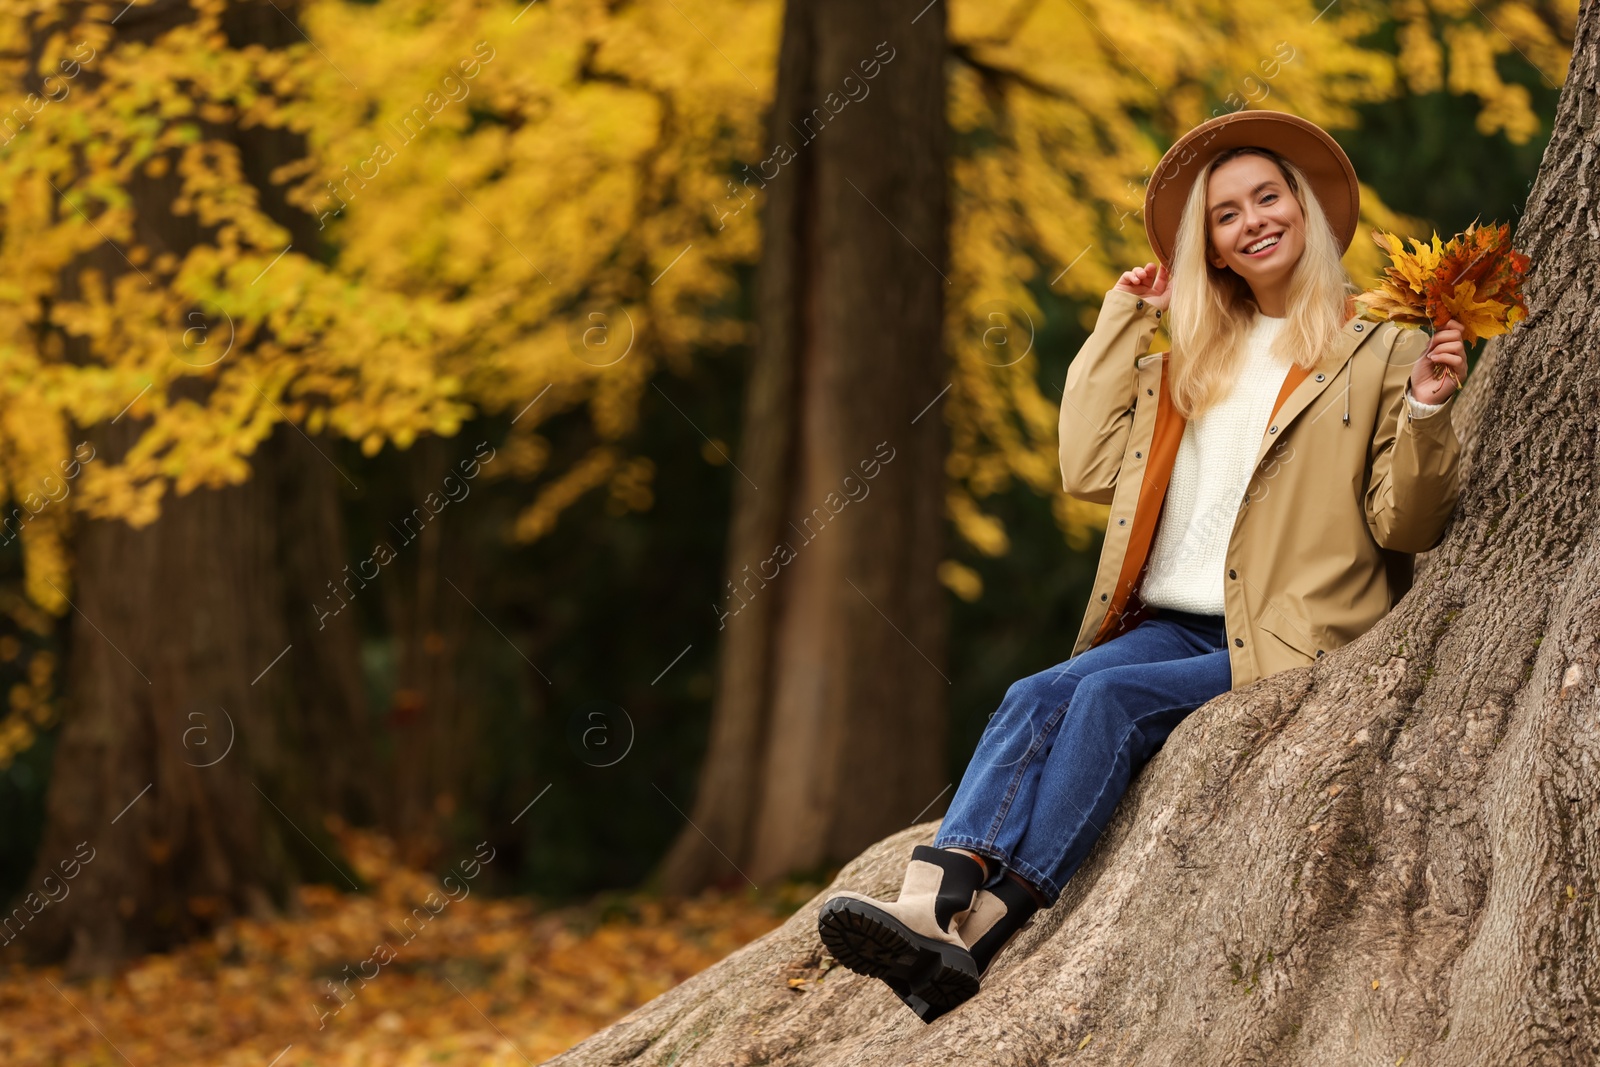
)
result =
(1358, 327)
(1140, 305)
(1232, 573)
(1273, 429)
(1319, 653)
(1239, 641)
(1122, 522)
(1320, 377)
(1149, 392)
(1103, 597)
(1138, 455)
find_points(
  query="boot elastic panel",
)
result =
(997, 916)
(957, 887)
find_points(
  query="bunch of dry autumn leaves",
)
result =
(1475, 278)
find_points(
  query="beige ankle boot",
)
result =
(911, 943)
(997, 916)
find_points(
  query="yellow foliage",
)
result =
(591, 471)
(481, 176)
(468, 207)
(983, 532)
(1453, 45)
(961, 580)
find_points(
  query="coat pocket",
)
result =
(1295, 632)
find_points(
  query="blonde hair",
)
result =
(1212, 308)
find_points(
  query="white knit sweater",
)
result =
(1209, 477)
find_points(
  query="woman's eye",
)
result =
(1274, 196)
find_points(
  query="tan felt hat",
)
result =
(1304, 143)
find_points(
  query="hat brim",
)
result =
(1304, 143)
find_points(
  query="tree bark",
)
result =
(1389, 856)
(828, 722)
(210, 721)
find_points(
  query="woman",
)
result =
(1269, 479)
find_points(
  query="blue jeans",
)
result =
(1056, 758)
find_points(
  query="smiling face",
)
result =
(1255, 223)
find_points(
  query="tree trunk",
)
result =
(1387, 857)
(323, 714)
(828, 723)
(165, 737)
(431, 727)
(211, 722)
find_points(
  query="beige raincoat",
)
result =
(1348, 485)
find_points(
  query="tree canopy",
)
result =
(531, 209)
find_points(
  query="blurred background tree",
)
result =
(284, 267)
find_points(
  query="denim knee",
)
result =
(1102, 705)
(1041, 693)
(1029, 704)
(1098, 697)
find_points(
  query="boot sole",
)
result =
(928, 1012)
(874, 943)
(924, 1011)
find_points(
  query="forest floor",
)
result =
(482, 982)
